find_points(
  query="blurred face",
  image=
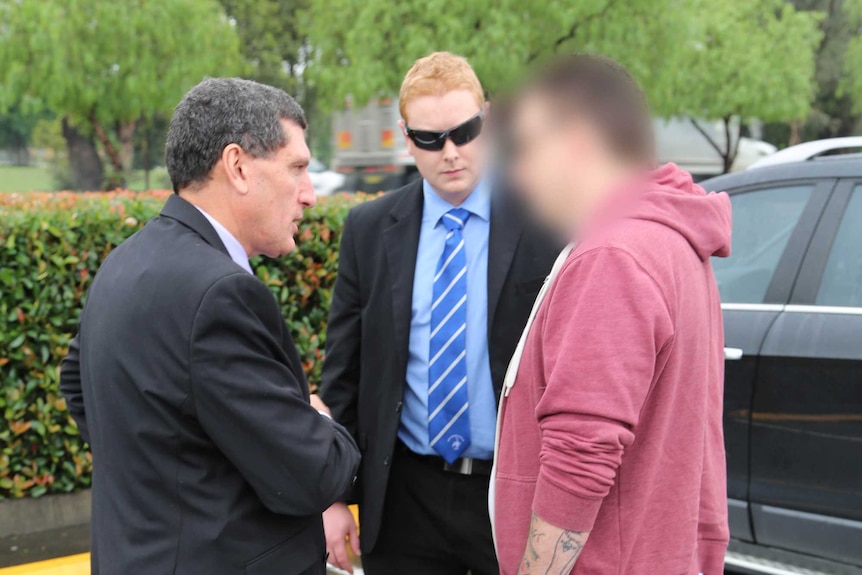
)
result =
(453, 171)
(557, 164)
(278, 191)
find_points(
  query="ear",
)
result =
(407, 140)
(234, 161)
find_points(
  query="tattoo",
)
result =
(534, 539)
(542, 559)
(566, 552)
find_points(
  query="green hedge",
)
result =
(51, 246)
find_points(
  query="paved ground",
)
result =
(22, 549)
(17, 549)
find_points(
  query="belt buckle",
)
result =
(462, 466)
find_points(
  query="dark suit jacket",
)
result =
(207, 458)
(364, 373)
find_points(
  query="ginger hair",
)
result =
(438, 74)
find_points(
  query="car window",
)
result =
(842, 278)
(763, 222)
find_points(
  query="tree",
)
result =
(104, 66)
(271, 38)
(16, 126)
(364, 47)
(834, 112)
(848, 88)
(749, 59)
(709, 59)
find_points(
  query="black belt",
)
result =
(462, 466)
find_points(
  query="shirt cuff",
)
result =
(564, 509)
(324, 414)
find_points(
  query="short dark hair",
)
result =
(602, 90)
(223, 111)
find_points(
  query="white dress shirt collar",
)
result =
(234, 248)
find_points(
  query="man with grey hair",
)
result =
(209, 457)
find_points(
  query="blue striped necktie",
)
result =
(448, 416)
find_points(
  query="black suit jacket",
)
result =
(207, 458)
(364, 373)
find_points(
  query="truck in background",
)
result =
(370, 151)
(369, 148)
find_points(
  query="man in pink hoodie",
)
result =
(610, 447)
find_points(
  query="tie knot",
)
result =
(455, 219)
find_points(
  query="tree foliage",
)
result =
(275, 48)
(363, 48)
(106, 65)
(835, 111)
(710, 59)
(752, 58)
(851, 80)
(846, 66)
(271, 39)
(749, 59)
(16, 127)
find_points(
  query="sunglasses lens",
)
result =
(467, 132)
(460, 135)
(428, 140)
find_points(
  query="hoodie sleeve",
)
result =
(606, 322)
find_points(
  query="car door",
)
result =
(806, 430)
(772, 226)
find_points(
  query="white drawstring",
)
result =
(515, 364)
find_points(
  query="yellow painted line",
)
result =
(74, 564)
(71, 565)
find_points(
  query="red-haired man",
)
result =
(435, 283)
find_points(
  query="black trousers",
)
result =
(435, 522)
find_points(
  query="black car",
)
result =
(792, 301)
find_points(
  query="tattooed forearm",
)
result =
(535, 538)
(531, 554)
(566, 552)
(551, 550)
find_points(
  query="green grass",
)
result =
(159, 180)
(25, 179)
(36, 179)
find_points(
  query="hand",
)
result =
(318, 404)
(339, 525)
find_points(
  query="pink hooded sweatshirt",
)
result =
(614, 423)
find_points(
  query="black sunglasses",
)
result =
(460, 135)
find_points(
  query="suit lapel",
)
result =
(401, 241)
(506, 228)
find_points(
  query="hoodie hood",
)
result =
(672, 199)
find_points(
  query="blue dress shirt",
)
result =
(413, 430)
